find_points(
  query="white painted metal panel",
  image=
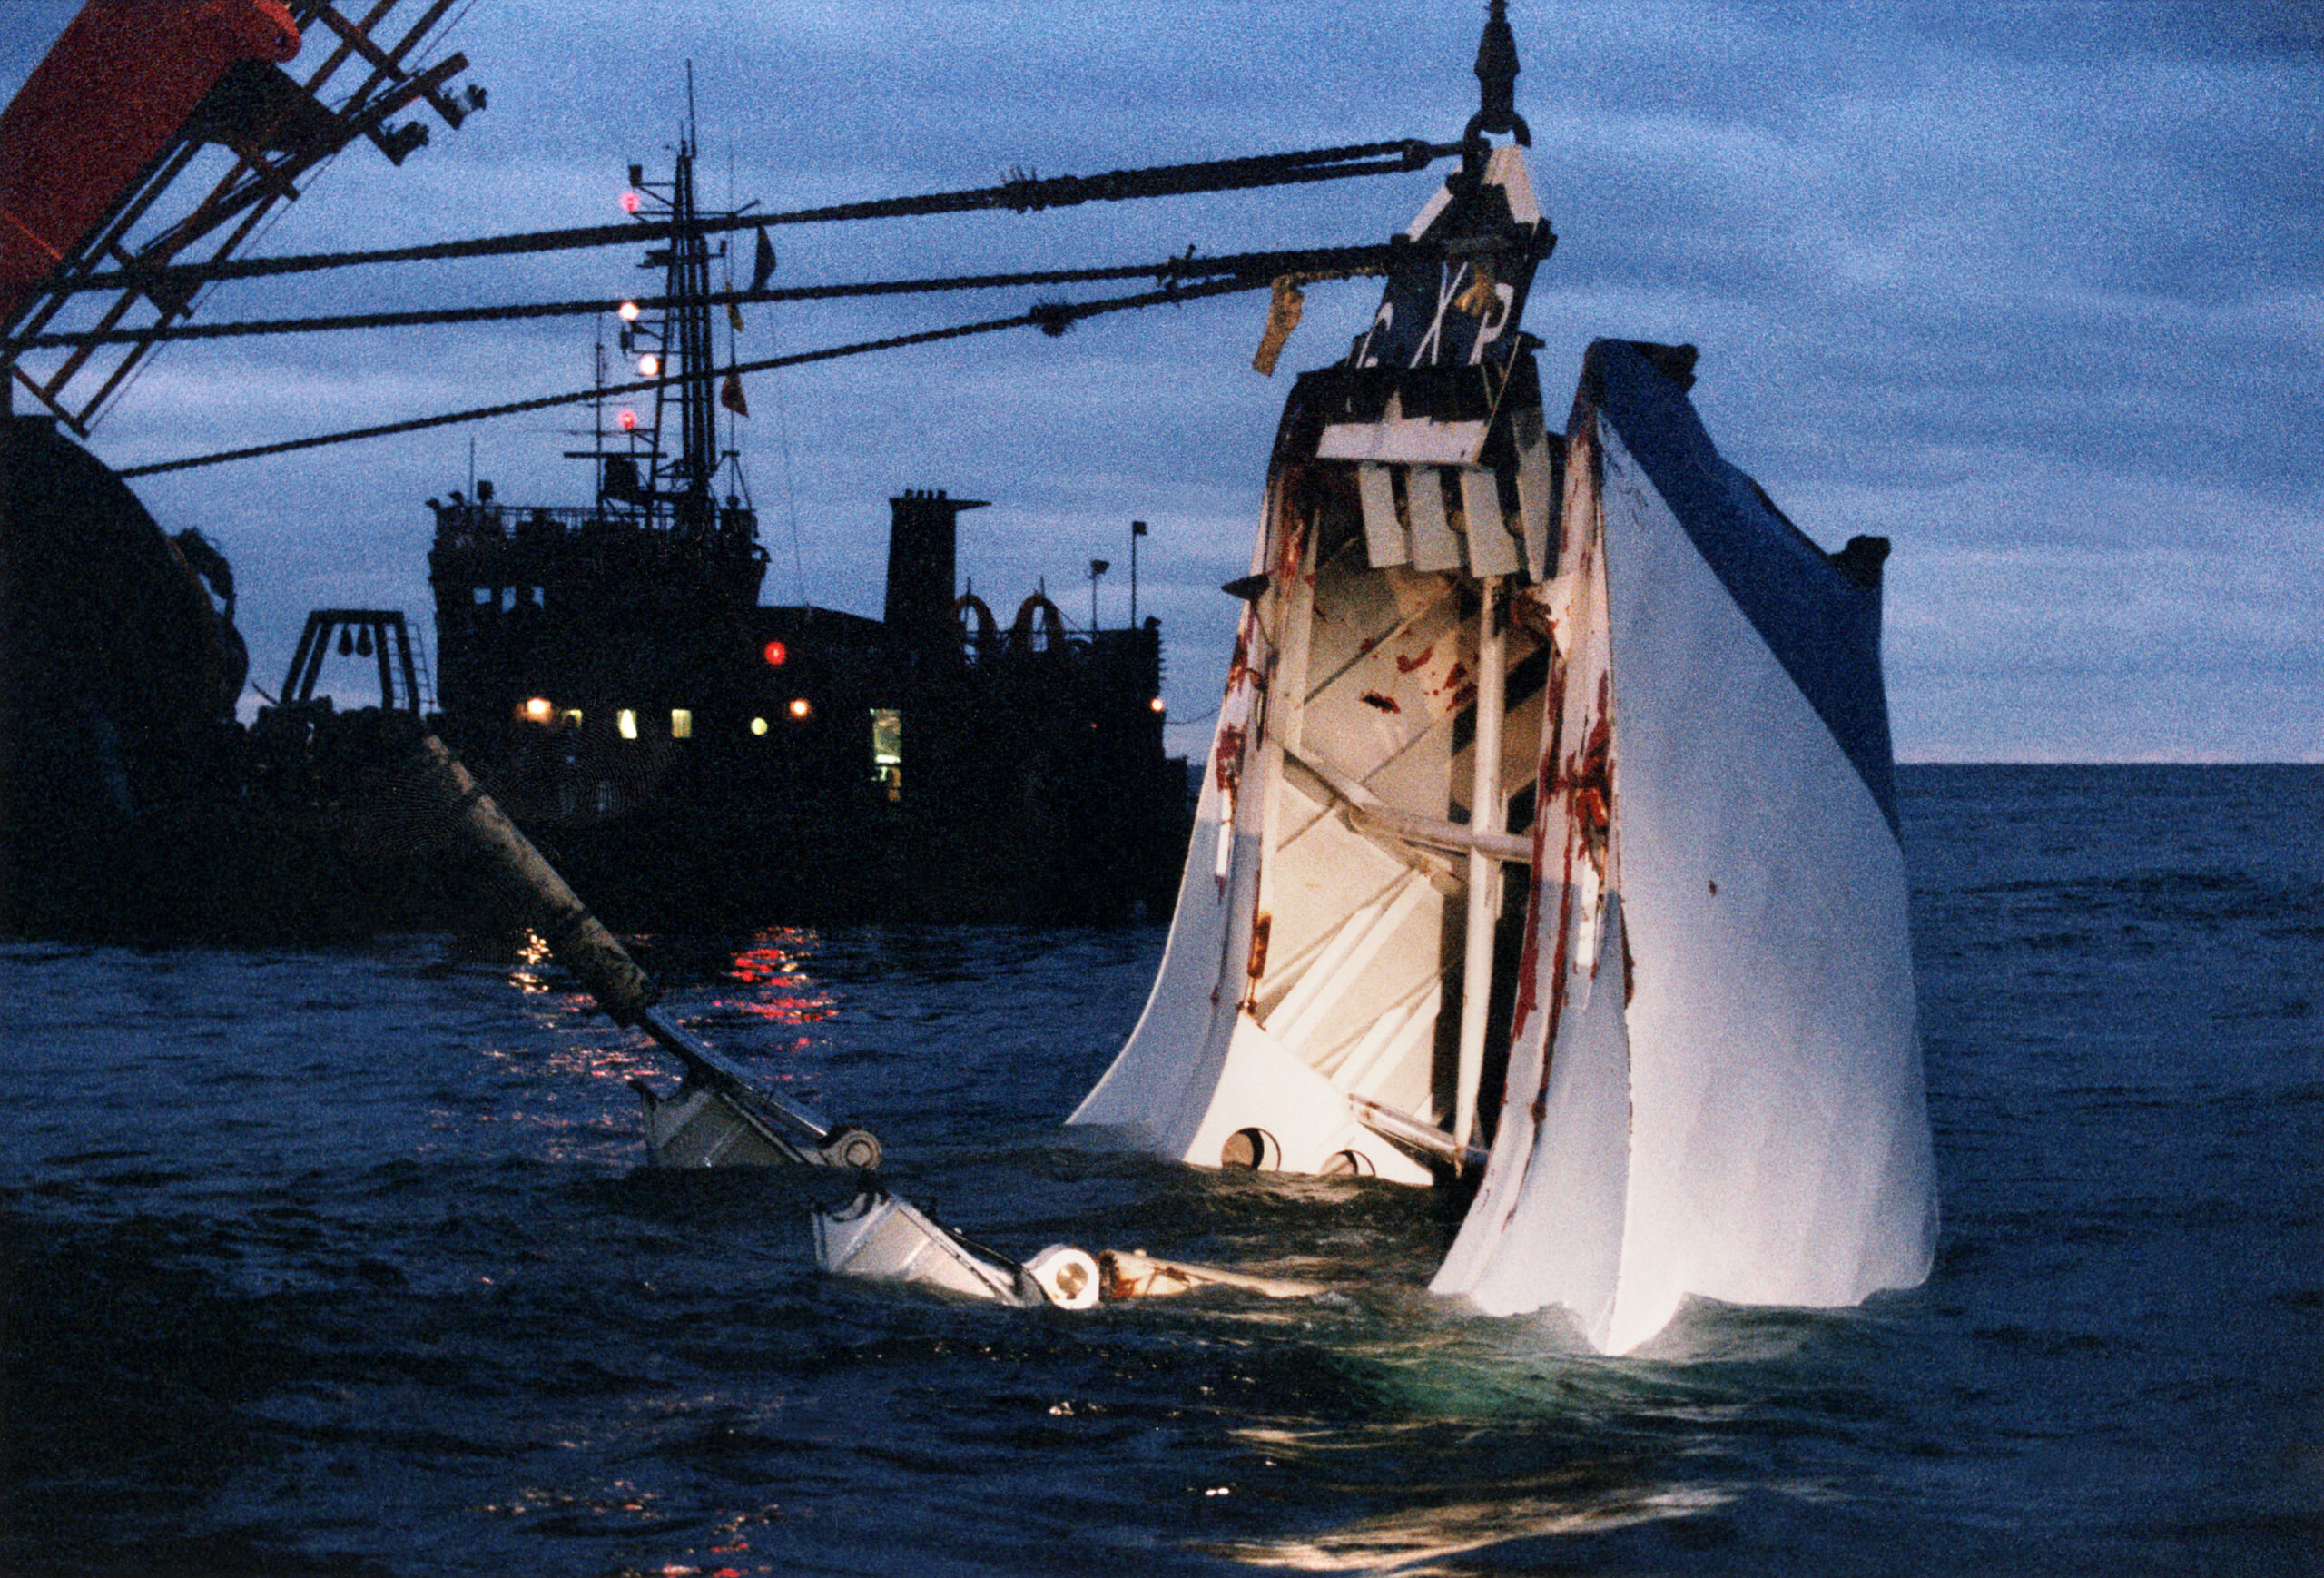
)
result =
(1435, 546)
(1384, 539)
(1575, 1162)
(1492, 550)
(1408, 440)
(1537, 486)
(1351, 927)
(1780, 1153)
(1775, 1134)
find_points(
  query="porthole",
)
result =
(1251, 1148)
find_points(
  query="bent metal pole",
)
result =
(581, 944)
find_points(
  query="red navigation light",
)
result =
(777, 653)
(628, 422)
(630, 202)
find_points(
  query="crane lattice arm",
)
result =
(137, 105)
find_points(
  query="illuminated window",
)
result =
(626, 721)
(758, 725)
(681, 723)
(572, 717)
(888, 750)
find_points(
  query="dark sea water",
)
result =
(348, 1262)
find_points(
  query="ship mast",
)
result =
(680, 486)
(687, 479)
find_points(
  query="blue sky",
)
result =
(2035, 290)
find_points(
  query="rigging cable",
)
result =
(1051, 318)
(1314, 260)
(1022, 194)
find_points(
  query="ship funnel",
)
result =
(921, 540)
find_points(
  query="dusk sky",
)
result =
(2035, 290)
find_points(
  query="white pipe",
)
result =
(1484, 872)
(1285, 706)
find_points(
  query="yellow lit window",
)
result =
(888, 750)
(626, 721)
(681, 723)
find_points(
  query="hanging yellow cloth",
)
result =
(1482, 299)
(1284, 308)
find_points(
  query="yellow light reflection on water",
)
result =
(1412, 1539)
(532, 953)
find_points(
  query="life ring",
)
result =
(1020, 632)
(987, 633)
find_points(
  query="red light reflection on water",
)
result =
(775, 985)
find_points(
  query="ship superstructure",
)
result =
(610, 671)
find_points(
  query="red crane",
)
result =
(133, 96)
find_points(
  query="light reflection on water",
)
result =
(772, 971)
(1416, 1540)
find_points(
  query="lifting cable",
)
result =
(1050, 318)
(1023, 193)
(1338, 261)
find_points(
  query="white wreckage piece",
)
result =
(1349, 837)
(879, 1237)
(718, 1118)
(1670, 1017)
(1134, 1274)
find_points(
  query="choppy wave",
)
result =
(346, 1261)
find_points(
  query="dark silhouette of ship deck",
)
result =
(684, 751)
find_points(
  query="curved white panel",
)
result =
(1751, 1125)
